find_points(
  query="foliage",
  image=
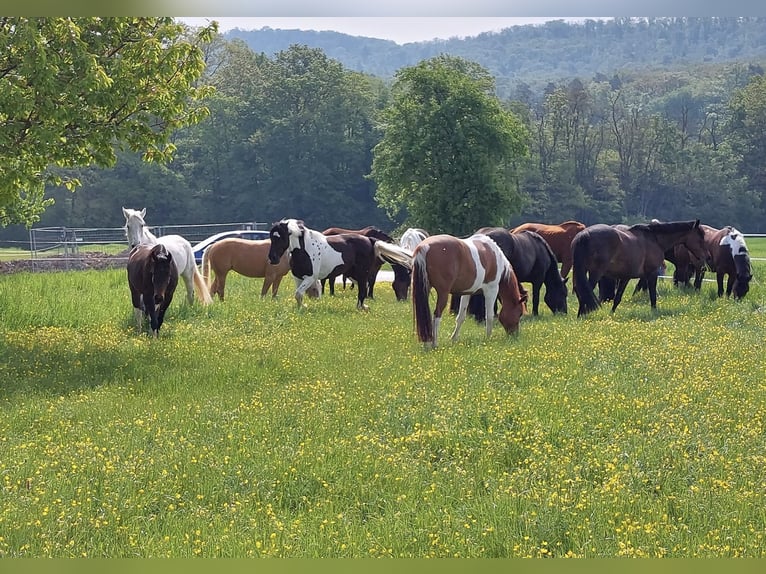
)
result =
(73, 88)
(447, 149)
(248, 429)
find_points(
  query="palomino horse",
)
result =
(622, 253)
(138, 232)
(463, 266)
(246, 257)
(533, 262)
(559, 237)
(401, 282)
(249, 258)
(728, 256)
(152, 277)
(315, 256)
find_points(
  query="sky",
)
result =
(398, 29)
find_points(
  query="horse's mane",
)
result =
(664, 227)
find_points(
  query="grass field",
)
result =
(251, 429)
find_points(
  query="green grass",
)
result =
(251, 429)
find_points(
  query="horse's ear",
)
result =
(125, 212)
(301, 225)
(143, 213)
(696, 223)
(523, 298)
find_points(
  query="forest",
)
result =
(626, 120)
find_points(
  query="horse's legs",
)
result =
(441, 304)
(490, 299)
(301, 285)
(461, 315)
(219, 284)
(361, 293)
(621, 284)
(729, 284)
(535, 297)
(719, 279)
(699, 274)
(188, 277)
(651, 283)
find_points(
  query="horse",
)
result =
(411, 237)
(728, 256)
(452, 265)
(138, 232)
(152, 278)
(401, 282)
(622, 253)
(315, 256)
(533, 262)
(559, 237)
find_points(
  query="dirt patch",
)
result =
(81, 261)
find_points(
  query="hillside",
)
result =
(537, 54)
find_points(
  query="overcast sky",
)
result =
(398, 29)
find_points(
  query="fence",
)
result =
(73, 248)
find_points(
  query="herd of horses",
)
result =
(483, 273)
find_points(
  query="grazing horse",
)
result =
(152, 277)
(728, 256)
(401, 282)
(534, 262)
(138, 232)
(622, 253)
(247, 257)
(411, 237)
(463, 266)
(559, 237)
(315, 256)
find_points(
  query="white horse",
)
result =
(411, 237)
(180, 249)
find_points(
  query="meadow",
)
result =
(251, 429)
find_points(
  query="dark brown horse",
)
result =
(622, 253)
(152, 277)
(533, 262)
(401, 282)
(559, 237)
(463, 266)
(728, 257)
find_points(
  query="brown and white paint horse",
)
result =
(451, 265)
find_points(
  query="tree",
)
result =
(75, 90)
(446, 159)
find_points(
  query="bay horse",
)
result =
(138, 233)
(533, 262)
(623, 252)
(152, 278)
(728, 257)
(451, 265)
(401, 282)
(315, 256)
(559, 237)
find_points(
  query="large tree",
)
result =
(73, 90)
(447, 155)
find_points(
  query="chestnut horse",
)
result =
(559, 237)
(152, 278)
(463, 266)
(401, 282)
(621, 253)
(245, 256)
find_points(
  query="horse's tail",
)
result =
(393, 254)
(420, 303)
(200, 284)
(585, 295)
(206, 268)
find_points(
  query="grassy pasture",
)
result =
(250, 429)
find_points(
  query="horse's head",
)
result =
(162, 271)
(401, 282)
(556, 296)
(736, 242)
(281, 234)
(513, 303)
(134, 225)
(694, 241)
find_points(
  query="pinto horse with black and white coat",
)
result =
(314, 256)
